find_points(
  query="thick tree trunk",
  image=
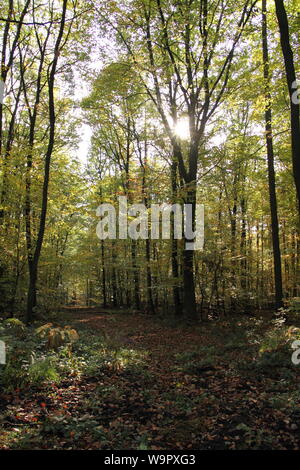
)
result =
(189, 284)
(271, 170)
(174, 247)
(291, 82)
(189, 297)
(144, 164)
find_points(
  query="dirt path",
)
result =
(211, 404)
(160, 387)
(142, 332)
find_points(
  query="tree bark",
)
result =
(291, 83)
(189, 296)
(33, 265)
(174, 246)
(270, 157)
(6, 65)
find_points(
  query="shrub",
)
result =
(15, 327)
(43, 370)
(279, 340)
(290, 314)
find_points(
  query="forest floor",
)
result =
(137, 382)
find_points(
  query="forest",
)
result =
(149, 225)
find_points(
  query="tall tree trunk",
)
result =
(270, 156)
(114, 275)
(8, 147)
(136, 283)
(6, 64)
(144, 165)
(104, 295)
(33, 266)
(233, 248)
(244, 276)
(149, 278)
(291, 83)
(189, 296)
(174, 246)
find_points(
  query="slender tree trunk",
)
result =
(233, 248)
(8, 147)
(136, 283)
(103, 268)
(6, 64)
(243, 276)
(149, 278)
(33, 265)
(270, 156)
(104, 295)
(263, 280)
(114, 276)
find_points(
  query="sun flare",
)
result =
(182, 129)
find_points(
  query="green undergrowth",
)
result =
(29, 362)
